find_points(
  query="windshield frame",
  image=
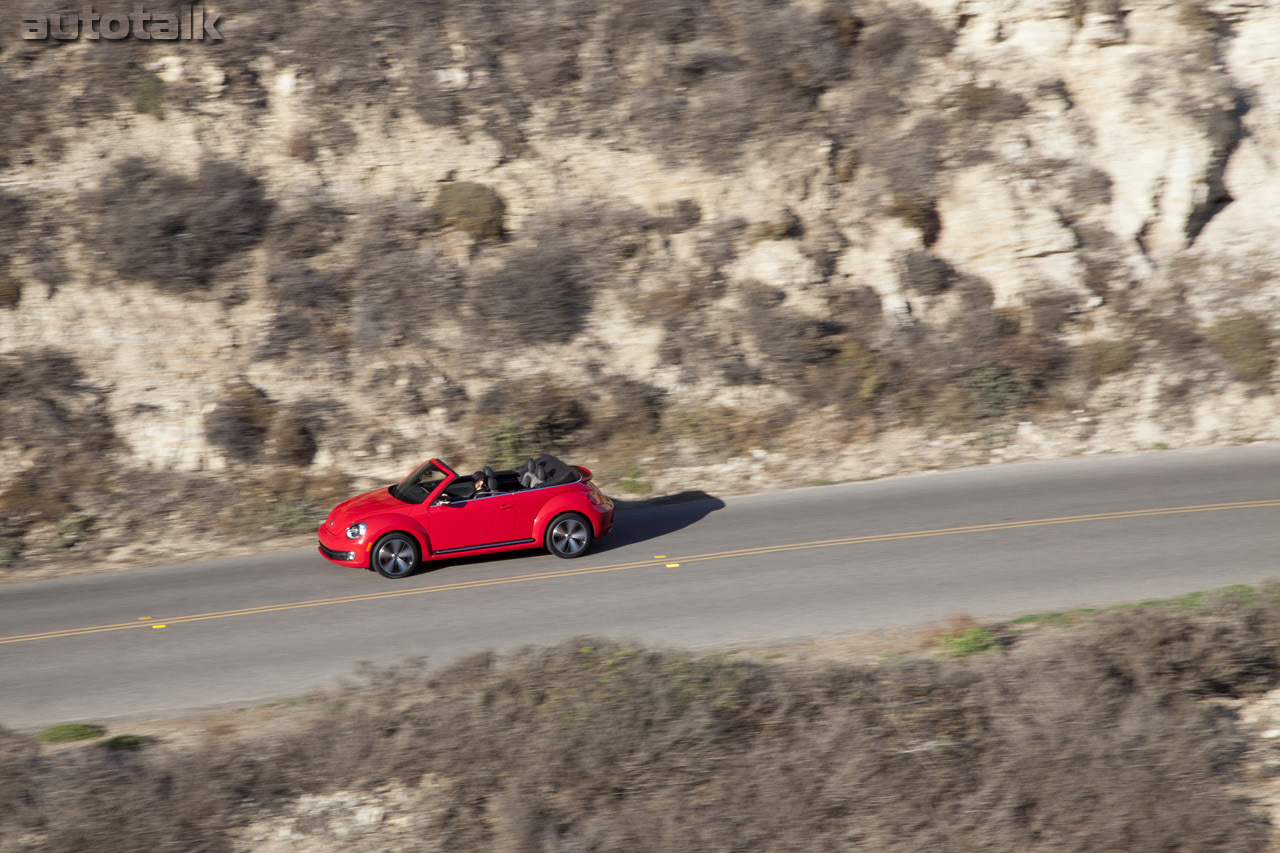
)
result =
(401, 490)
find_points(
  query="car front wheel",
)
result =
(396, 556)
(568, 535)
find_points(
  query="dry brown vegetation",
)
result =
(1097, 737)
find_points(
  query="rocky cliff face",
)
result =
(766, 244)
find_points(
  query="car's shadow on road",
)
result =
(634, 522)
(640, 521)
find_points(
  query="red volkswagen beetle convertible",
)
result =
(434, 514)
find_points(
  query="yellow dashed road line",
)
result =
(618, 567)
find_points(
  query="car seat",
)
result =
(529, 477)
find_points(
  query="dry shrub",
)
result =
(10, 291)
(1195, 17)
(986, 104)
(301, 147)
(680, 217)
(60, 422)
(1050, 311)
(173, 231)
(402, 294)
(1104, 358)
(785, 340)
(786, 227)
(546, 284)
(1081, 740)
(309, 309)
(528, 416)
(853, 378)
(858, 310)
(541, 294)
(1225, 648)
(291, 439)
(926, 273)
(295, 285)
(13, 218)
(920, 213)
(723, 431)
(1244, 343)
(239, 421)
(1089, 187)
(980, 366)
(285, 501)
(622, 410)
(47, 404)
(313, 228)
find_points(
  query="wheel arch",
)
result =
(561, 504)
(380, 525)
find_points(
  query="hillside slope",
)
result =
(761, 243)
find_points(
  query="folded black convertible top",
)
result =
(551, 470)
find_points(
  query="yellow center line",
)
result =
(636, 564)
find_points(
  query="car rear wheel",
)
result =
(396, 556)
(568, 535)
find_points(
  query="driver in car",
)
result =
(481, 488)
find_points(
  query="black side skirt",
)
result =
(481, 547)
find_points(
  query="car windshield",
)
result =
(415, 488)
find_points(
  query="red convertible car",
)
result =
(434, 514)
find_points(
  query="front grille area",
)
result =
(337, 555)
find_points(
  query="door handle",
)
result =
(507, 506)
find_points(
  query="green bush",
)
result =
(473, 208)
(1244, 342)
(997, 390)
(970, 642)
(68, 732)
(124, 743)
(146, 94)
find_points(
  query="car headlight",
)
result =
(356, 531)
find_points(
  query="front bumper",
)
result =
(337, 548)
(338, 556)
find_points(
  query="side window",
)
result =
(461, 488)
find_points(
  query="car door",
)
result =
(521, 509)
(475, 523)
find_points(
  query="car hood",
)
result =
(362, 506)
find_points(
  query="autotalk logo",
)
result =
(189, 24)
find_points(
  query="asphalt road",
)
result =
(901, 552)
